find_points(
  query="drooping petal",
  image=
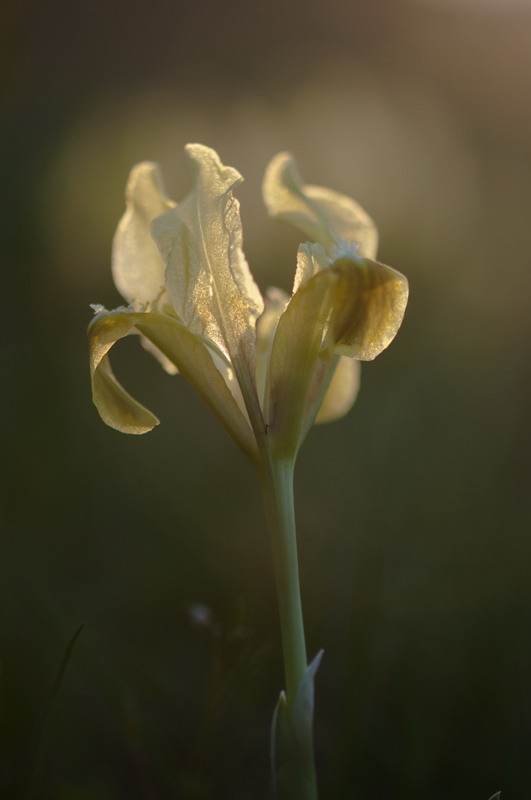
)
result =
(342, 391)
(186, 350)
(367, 304)
(115, 405)
(207, 277)
(343, 383)
(137, 267)
(323, 215)
(352, 308)
(167, 365)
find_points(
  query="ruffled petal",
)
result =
(190, 354)
(137, 267)
(323, 215)
(208, 280)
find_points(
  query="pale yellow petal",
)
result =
(207, 277)
(367, 304)
(167, 365)
(186, 350)
(275, 301)
(296, 374)
(138, 269)
(323, 215)
(352, 308)
(116, 407)
(310, 259)
(342, 391)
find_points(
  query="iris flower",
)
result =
(268, 367)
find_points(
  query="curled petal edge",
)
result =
(352, 308)
(324, 215)
(367, 303)
(186, 350)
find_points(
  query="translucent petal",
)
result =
(352, 308)
(207, 277)
(275, 302)
(310, 259)
(167, 365)
(321, 214)
(367, 304)
(342, 391)
(137, 267)
(186, 350)
(116, 407)
(292, 385)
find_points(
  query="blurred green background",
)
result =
(413, 511)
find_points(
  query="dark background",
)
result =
(413, 512)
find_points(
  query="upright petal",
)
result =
(190, 354)
(323, 215)
(275, 301)
(207, 277)
(137, 267)
(295, 373)
(311, 258)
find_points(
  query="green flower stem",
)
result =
(296, 755)
(277, 487)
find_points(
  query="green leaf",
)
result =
(292, 742)
(302, 712)
(280, 743)
(41, 733)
